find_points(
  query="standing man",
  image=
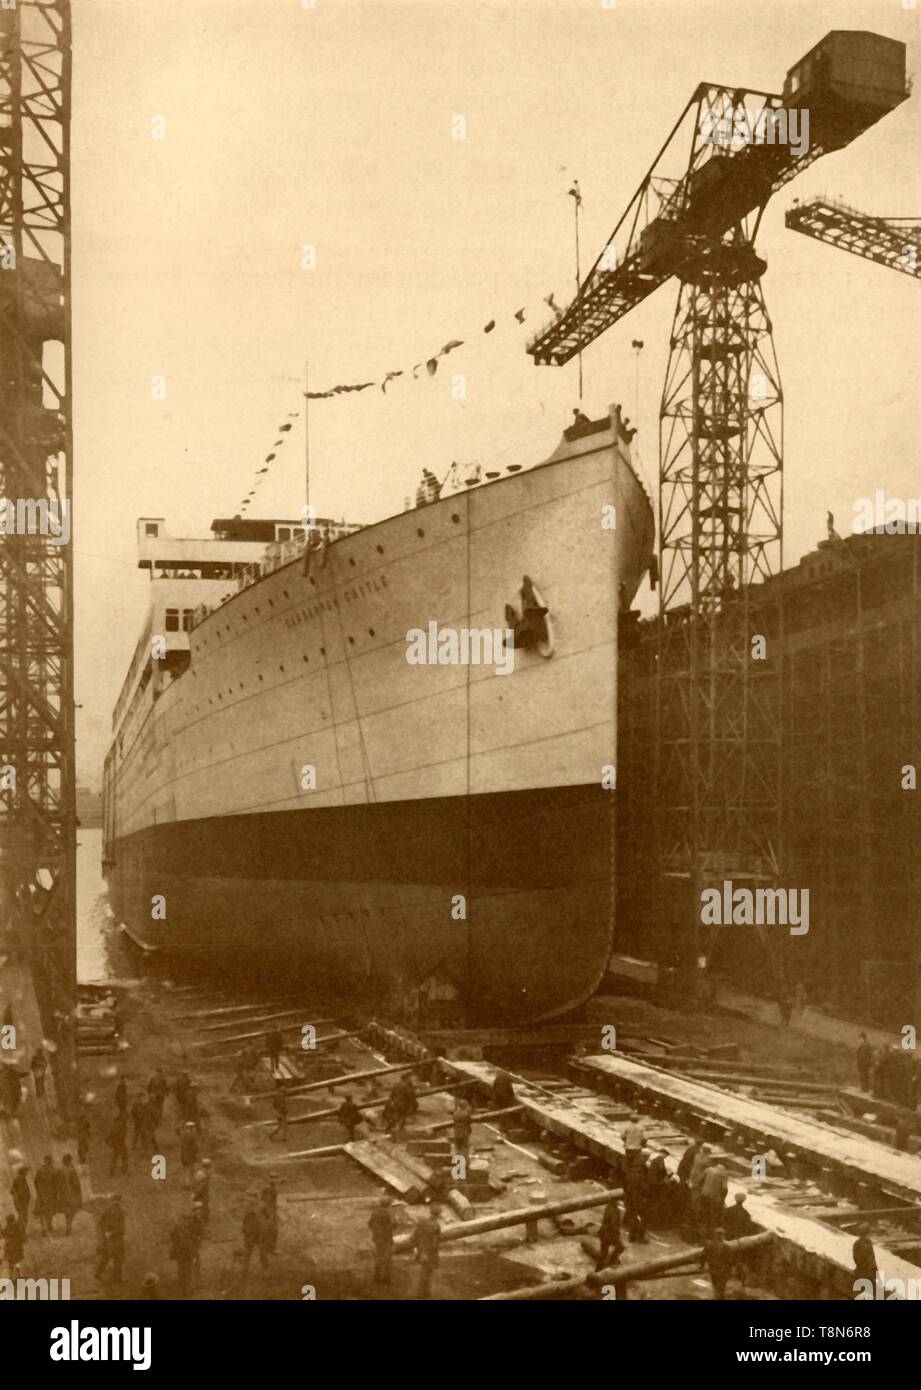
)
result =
(268, 1210)
(138, 1117)
(382, 1226)
(182, 1250)
(719, 1259)
(10, 1088)
(149, 1142)
(117, 1141)
(83, 1138)
(609, 1240)
(14, 1244)
(21, 1193)
(274, 1046)
(700, 1165)
(864, 1062)
(46, 1194)
(634, 1140)
(110, 1253)
(404, 1093)
(865, 1266)
(349, 1116)
(737, 1221)
(196, 1225)
(255, 1236)
(70, 1199)
(38, 1067)
(121, 1096)
(713, 1196)
(280, 1106)
(503, 1091)
(201, 1187)
(188, 1150)
(686, 1162)
(463, 1126)
(157, 1091)
(269, 1201)
(426, 1240)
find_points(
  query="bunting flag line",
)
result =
(430, 364)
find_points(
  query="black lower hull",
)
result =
(502, 901)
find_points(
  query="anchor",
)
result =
(531, 631)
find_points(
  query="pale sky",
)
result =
(332, 127)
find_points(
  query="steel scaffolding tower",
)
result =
(37, 780)
(695, 216)
(720, 532)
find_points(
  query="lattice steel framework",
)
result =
(720, 532)
(891, 241)
(37, 788)
(694, 217)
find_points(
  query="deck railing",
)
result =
(251, 574)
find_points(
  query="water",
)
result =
(100, 946)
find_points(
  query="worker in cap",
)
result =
(610, 1244)
(188, 1149)
(382, 1225)
(737, 1221)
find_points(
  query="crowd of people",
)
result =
(692, 1200)
(889, 1073)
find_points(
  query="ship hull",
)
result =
(373, 904)
(307, 801)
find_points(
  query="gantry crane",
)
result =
(694, 217)
(892, 241)
(37, 778)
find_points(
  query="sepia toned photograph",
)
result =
(460, 661)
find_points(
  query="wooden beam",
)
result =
(522, 1216)
(621, 1275)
